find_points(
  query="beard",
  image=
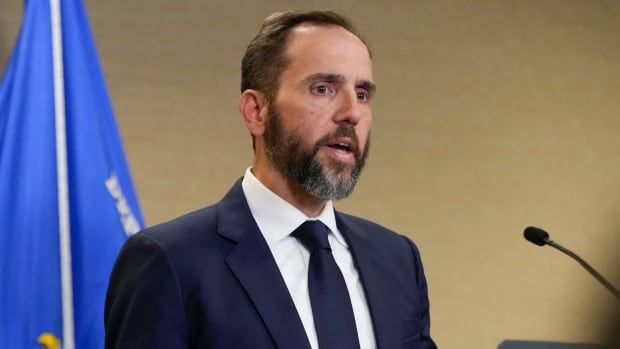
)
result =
(298, 161)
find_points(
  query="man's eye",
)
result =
(321, 89)
(362, 95)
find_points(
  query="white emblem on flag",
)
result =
(128, 220)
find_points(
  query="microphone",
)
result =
(536, 236)
(540, 237)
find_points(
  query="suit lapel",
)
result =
(377, 283)
(253, 265)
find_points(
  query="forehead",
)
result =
(327, 49)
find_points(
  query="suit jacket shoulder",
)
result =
(393, 248)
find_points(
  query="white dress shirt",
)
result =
(277, 219)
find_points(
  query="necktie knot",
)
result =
(313, 235)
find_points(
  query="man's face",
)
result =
(318, 127)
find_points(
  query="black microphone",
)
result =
(536, 236)
(540, 237)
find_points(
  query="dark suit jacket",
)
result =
(208, 280)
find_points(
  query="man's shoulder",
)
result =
(352, 219)
(189, 227)
(356, 222)
(376, 234)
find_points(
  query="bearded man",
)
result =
(273, 265)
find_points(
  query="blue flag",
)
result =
(46, 81)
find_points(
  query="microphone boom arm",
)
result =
(586, 266)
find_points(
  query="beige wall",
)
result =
(490, 116)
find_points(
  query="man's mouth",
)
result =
(342, 149)
(342, 144)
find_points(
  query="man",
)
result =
(273, 265)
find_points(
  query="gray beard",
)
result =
(328, 182)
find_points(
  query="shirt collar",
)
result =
(277, 218)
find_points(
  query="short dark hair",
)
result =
(265, 57)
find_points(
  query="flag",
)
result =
(67, 202)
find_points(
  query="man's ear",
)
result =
(253, 108)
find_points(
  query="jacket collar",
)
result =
(376, 277)
(253, 265)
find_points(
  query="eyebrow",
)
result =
(365, 84)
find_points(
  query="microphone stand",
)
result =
(585, 265)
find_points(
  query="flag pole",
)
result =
(68, 338)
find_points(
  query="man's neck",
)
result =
(288, 189)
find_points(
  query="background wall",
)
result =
(490, 116)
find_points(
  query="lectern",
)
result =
(521, 344)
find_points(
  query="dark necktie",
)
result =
(331, 305)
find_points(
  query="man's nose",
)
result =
(350, 110)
